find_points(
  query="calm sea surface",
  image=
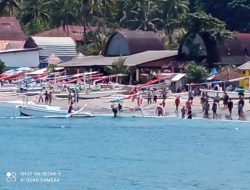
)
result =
(122, 153)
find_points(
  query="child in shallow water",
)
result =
(183, 112)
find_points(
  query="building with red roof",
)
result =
(73, 31)
(11, 35)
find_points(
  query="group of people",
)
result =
(47, 97)
(186, 110)
(116, 109)
(152, 97)
(227, 104)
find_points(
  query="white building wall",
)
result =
(20, 58)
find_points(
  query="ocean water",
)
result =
(122, 153)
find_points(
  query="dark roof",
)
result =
(244, 39)
(131, 60)
(73, 31)
(237, 45)
(10, 29)
(138, 41)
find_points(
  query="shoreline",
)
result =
(102, 105)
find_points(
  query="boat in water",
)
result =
(49, 111)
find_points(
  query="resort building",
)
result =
(63, 47)
(245, 72)
(14, 58)
(142, 51)
(202, 46)
(11, 35)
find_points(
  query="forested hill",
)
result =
(165, 15)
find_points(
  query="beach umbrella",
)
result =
(79, 56)
(53, 59)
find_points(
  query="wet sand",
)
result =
(103, 105)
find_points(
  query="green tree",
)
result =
(9, 7)
(201, 22)
(64, 12)
(105, 12)
(98, 43)
(146, 16)
(51, 68)
(172, 10)
(35, 15)
(139, 15)
(119, 67)
(2, 67)
(235, 13)
(196, 73)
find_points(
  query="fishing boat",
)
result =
(10, 88)
(49, 111)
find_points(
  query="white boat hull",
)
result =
(45, 112)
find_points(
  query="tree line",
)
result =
(169, 16)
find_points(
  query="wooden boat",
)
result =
(8, 89)
(48, 111)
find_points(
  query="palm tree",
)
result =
(119, 67)
(65, 12)
(172, 10)
(9, 7)
(145, 15)
(35, 15)
(107, 10)
(97, 46)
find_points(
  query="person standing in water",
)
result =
(183, 112)
(177, 103)
(46, 94)
(119, 107)
(154, 97)
(50, 97)
(206, 109)
(40, 97)
(149, 97)
(230, 107)
(225, 100)
(115, 110)
(189, 114)
(241, 104)
(70, 109)
(159, 110)
(214, 109)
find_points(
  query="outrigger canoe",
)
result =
(48, 111)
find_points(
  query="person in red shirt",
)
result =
(177, 103)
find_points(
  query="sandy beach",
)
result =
(102, 105)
